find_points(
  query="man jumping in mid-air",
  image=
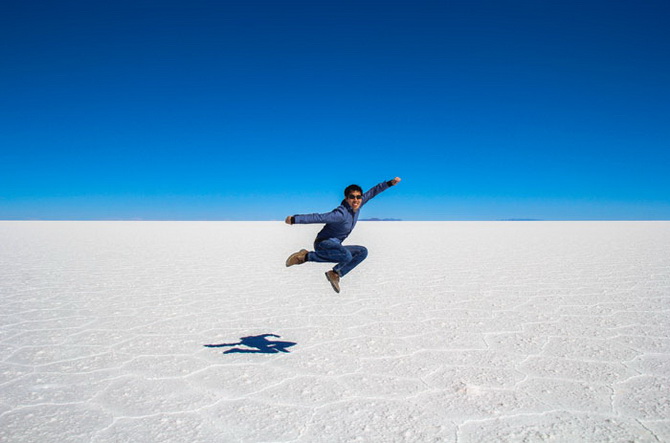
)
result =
(339, 224)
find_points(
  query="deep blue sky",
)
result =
(254, 110)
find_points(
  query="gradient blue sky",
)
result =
(254, 110)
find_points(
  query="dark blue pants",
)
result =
(332, 251)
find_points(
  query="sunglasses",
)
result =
(354, 197)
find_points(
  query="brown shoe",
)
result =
(334, 280)
(297, 258)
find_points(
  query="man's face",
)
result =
(354, 198)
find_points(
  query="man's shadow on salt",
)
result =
(257, 344)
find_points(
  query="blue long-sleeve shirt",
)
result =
(341, 220)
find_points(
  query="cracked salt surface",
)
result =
(449, 331)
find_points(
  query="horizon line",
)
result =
(361, 220)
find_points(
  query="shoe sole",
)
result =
(294, 255)
(333, 283)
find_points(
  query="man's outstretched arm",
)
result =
(383, 186)
(333, 216)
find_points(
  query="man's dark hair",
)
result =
(350, 188)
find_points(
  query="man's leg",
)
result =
(357, 253)
(329, 251)
(332, 251)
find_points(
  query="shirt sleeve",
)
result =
(334, 216)
(374, 191)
